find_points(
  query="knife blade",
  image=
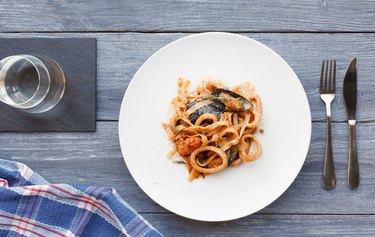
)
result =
(350, 89)
(350, 98)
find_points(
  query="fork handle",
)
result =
(329, 177)
(353, 170)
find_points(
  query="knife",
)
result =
(350, 97)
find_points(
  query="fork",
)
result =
(327, 94)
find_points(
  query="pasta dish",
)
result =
(213, 127)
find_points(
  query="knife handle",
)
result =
(353, 169)
(329, 177)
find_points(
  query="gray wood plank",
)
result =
(120, 56)
(95, 159)
(304, 53)
(189, 15)
(267, 225)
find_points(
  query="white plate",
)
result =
(235, 192)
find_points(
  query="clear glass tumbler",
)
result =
(31, 83)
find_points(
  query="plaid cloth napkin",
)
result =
(30, 206)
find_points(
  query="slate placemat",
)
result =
(76, 111)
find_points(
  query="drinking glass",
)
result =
(31, 83)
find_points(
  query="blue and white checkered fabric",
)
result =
(30, 206)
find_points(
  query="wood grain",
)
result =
(267, 225)
(303, 33)
(120, 56)
(95, 159)
(187, 15)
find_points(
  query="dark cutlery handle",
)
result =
(353, 169)
(329, 177)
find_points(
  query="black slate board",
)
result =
(77, 109)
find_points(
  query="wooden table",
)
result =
(128, 32)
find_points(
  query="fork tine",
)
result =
(334, 76)
(325, 77)
(330, 78)
(321, 77)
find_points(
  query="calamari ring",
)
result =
(231, 131)
(221, 154)
(244, 148)
(256, 111)
(206, 117)
(233, 139)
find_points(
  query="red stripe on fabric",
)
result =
(89, 200)
(28, 222)
(134, 227)
(140, 231)
(35, 203)
(86, 212)
(27, 202)
(74, 199)
(19, 227)
(5, 183)
(83, 215)
(76, 195)
(110, 215)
